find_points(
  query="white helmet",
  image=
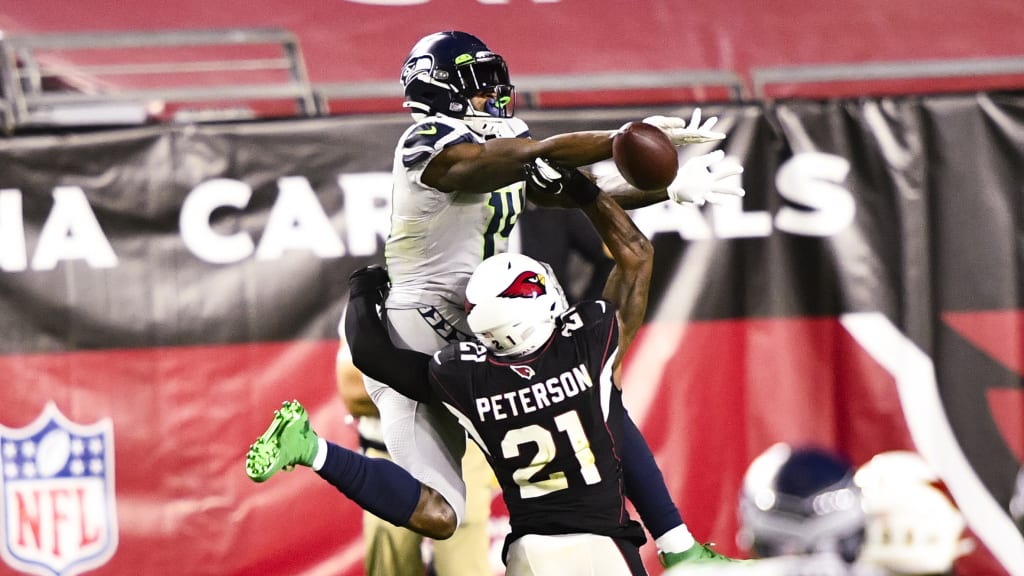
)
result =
(913, 527)
(513, 301)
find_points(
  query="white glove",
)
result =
(680, 133)
(703, 178)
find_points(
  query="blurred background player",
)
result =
(802, 502)
(800, 513)
(396, 551)
(806, 511)
(913, 527)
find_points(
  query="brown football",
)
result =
(645, 156)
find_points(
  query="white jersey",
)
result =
(437, 239)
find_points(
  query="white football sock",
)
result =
(321, 454)
(675, 540)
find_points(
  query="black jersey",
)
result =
(550, 424)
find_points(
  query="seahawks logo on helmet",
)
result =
(415, 67)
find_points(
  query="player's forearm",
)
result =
(576, 149)
(630, 294)
(377, 357)
(623, 193)
(629, 281)
(631, 250)
(483, 168)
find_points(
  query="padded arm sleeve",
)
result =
(376, 356)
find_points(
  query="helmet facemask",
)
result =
(487, 75)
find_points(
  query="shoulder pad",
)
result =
(431, 135)
(593, 311)
(519, 127)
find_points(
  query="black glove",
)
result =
(371, 280)
(544, 177)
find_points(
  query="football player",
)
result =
(800, 512)
(458, 190)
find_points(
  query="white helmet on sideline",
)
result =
(913, 527)
(512, 302)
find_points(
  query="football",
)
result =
(645, 156)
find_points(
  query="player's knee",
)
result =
(434, 516)
(446, 522)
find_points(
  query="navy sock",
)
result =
(379, 486)
(645, 486)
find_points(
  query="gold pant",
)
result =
(395, 551)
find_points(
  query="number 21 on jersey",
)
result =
(567, 423)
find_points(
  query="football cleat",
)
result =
(696, 553)
(287, 442)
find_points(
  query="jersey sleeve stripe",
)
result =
(468, 425)
(605, 383)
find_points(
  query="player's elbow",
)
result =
(638, 260)
(439, 525)
(445, 526)
(434, 517)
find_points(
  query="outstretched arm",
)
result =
(483, 168)
(705, 178)
(630, 279)
(373, 353)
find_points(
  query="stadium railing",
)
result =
(127, 77)
(130, 78)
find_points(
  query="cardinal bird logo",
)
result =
(526, 285)
(526, 372)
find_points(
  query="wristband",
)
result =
(581, 189)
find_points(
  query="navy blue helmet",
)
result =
(801, 501)
(445, 69)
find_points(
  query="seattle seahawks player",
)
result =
(458, 190)
(801, 514)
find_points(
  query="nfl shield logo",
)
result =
(57, 479)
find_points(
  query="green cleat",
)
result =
(287, 442)
(697, 553)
